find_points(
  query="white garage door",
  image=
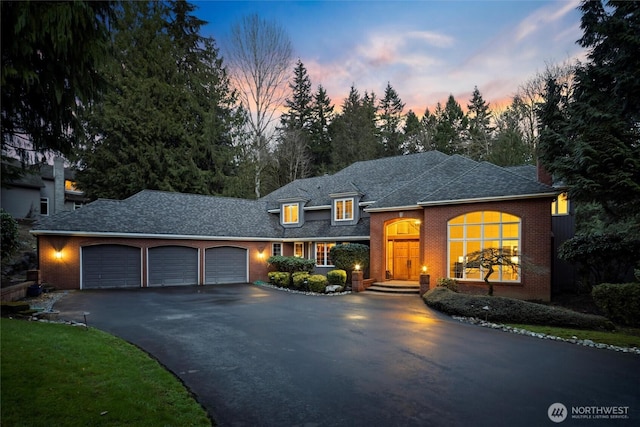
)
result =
(173, 265)
(226, 265)
(111, 266)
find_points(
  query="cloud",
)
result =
(541, 18)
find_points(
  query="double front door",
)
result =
(406, 259)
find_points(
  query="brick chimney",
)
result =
(58, 184)
(542, 174)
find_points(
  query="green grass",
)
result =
(626, 337)
(59, 375)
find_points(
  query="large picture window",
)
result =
(343, 209)
(322, 254)
(475, 231)
(290, 214)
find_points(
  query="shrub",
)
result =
(337, 277)
(317, 283)
(510, 310)
(280, 278)
(345, 256)
(299, 278)
(619, 302)
(291, 264)
(446, 282)
(10, 237)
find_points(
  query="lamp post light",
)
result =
(425, 280)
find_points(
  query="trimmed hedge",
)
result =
(280, 278)
(508, 310)
(337, 277)
(619, 302)
(292, 264)
(317, 283)
(448, 283)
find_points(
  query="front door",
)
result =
(406, 259)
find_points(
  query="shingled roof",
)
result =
(393, 183)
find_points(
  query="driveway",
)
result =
(258, 356)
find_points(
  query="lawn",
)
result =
(59, 375)
(624, 337)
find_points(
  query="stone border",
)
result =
(505, 328)
(293, 291)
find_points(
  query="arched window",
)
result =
(475, 231)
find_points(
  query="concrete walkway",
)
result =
(261, 357)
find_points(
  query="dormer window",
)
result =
(290, 213)
(343, 209)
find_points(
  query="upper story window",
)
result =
(475, 231)
(276, 249)
(560, 206)
(70, 186)
(44, 206)
(290, 213)
(343, 209)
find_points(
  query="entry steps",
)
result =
(394, 287)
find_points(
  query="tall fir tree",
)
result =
(478, 146)
(353, 132)
(167, 122)
(299, 103)
(508, 147)
(320, 142)
(451, 132)
(412, 133)
(390, 120)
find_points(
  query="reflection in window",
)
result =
(475, 231)
(290, 214)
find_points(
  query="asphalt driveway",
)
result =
(257, 356)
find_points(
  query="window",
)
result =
(322, 254)
(298, 249)
(44, 206)
(476, 231)
(70, 186)
(290, 214)
(560, 206)
(276, 249)
(343, 209)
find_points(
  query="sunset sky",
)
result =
(426, 49)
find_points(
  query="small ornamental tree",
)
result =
(488, 258)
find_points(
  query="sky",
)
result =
(426, 49)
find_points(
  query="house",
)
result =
(49, 190)
(420, 211)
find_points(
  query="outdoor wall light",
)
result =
(58, 255)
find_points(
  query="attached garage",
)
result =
(173, 265)
(226, 264)
(111, 266)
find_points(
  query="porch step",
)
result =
(395, 287)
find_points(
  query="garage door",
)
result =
(111, 266)
(225, 265)
(173, 265)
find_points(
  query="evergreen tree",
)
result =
(479, 144)
(51, 56)
(412, 134)
(320, 141)
(299, 104)
(390, 107)
(591, 140)
(167, 122)
(508, 147)
(354, 132)
(451, 132)
(428, 123)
